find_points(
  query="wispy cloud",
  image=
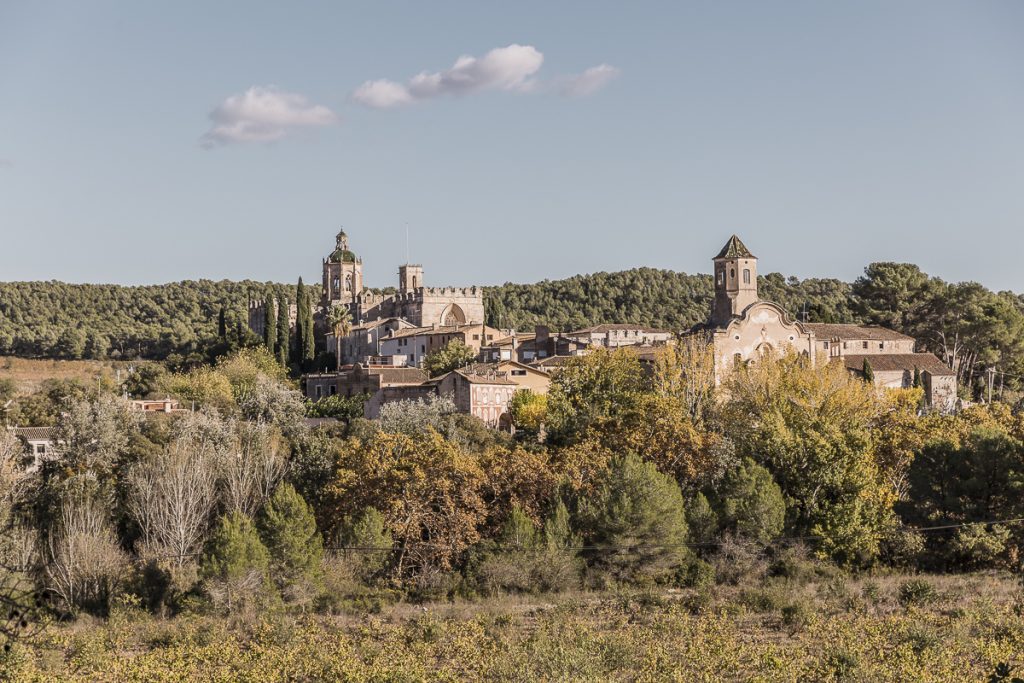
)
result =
(589, 82)
(6, 163)
(512, 68)
(263, 114)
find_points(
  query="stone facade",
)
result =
(419, 305)
(614, 336)
(743, 329)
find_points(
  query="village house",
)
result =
(613, 336)
(524, 376)
(359, 379)
(412, 345)
(483, 397)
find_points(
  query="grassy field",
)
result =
(29, 374)
(890, 628)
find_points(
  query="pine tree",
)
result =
(637, 518)
(236, 561)
(869, 373)
(288, 529)
(269, 324)
(284, 333)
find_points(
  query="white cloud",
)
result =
(263, 114)
(588, 82)
(510, 68)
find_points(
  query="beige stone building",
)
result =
(359, 379)
(414, 301)
(484, 397)
(743, 328)
(616, 335)
(410, 346)
(524, 376)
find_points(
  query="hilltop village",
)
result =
(383, 340)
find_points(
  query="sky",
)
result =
(154, 142)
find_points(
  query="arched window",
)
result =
(746, 276)
(721, 278)
(732, 273)
(414, 282)
(348, 282)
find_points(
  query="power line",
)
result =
(636, 547)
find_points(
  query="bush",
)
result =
(370, 541)
(976, 547)
(739, 561)
(916, 592)
(750, 503)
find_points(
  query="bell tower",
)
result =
(735, 281)
(343, 273)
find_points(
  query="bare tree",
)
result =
(171, 495)
(85, 561)
(252, 469)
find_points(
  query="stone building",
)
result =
(743, 328)
(359, 379)
(485, 397)
(413, 302)
(410, 346)
(617, 335)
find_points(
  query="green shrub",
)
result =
(916, 592)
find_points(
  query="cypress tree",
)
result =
(269, 324)
(917, 377)
(283, 332)
(222, 325)
(300, 324)
(869, 373)
(309, 347)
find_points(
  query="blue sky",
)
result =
(146, 143)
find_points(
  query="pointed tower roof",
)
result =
(734, 248)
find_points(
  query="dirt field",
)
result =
(29, 374)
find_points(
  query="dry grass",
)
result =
(29, 374)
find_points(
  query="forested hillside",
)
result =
(965, 324)
(55, 319)
(662, 298)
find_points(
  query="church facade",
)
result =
(743, 328)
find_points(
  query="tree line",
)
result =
(628, 472)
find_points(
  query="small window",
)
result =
(844, 345)
(881, 345)
(721, 277)
(746, 276)
(826, 345)
(864, 344)
(334, 390)
(732, 273)
(476, 337)
(519, 373)
(319, 391)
